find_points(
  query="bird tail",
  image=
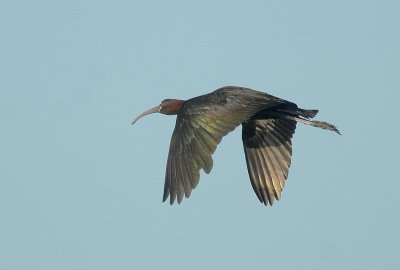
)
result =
(307, 113)
(298, 112)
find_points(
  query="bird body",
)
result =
(268, 124)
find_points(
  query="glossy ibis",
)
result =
(268, 124)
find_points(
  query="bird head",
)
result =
(167, 106)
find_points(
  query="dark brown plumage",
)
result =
(268, 125)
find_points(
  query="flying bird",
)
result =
(268, 124)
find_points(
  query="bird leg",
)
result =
(319, 124)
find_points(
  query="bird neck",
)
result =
(172, 107)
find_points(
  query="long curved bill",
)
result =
(156, 109)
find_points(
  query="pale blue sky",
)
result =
(81, 189)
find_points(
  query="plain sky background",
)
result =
(81, 189)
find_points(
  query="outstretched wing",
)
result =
(268, 150)
(200, 125)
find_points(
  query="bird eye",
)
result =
(159, 108)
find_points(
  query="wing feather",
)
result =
(268, 150)
(264, 174)
(253, 172)
(276, 172)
